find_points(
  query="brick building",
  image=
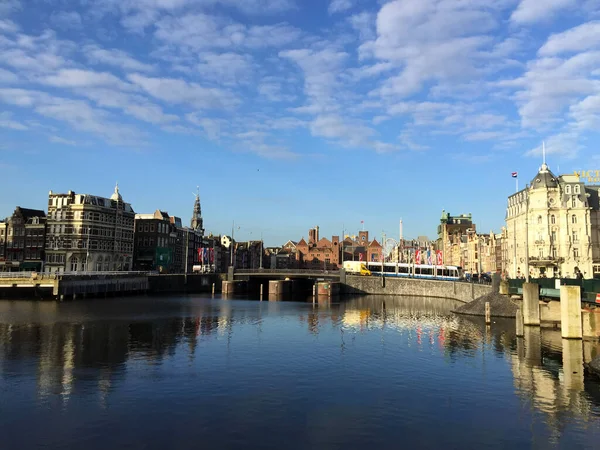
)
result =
(22, 240)
(360, 248)
(318, 252)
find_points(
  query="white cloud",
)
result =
(321, 73)
(565, 144)
(213, 128)
(583, 37)
(336, 127)
(203, 31)
(550, 84)
(7, 76)
(337, 6)
(7, 122)
(115, 58)
(271, 88)
(133, 105)
(63, 141)
(181, 92)
(77, 78)
(8, 26)
(66, 20)
(364, 23)
(438, 40)
(78, 114)
(530, 11)
(9, 6)
(227, 67)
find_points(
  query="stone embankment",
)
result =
(500, 306)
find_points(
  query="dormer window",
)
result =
(568, 189)
(576, 188)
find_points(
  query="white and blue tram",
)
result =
(406, 270)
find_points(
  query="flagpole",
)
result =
(517, 183)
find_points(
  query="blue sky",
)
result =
(289, 114)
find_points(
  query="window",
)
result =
(568, 189)
(575, 253)
(576, 189)
(573, 202)
(539, 220)
(573, 218)
(74, 262)
(540, 252)
(553, 237)
(575, 239)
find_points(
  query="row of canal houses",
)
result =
(87, 233)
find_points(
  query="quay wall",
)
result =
(464, 292)
(177, 283)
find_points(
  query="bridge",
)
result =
(333, 275)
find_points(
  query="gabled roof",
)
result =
(324, 242)
(29, 213)
(302, 242)
(374, 243)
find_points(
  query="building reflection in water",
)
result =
(78, 350)
(548, 371)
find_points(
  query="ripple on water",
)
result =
(379, 372)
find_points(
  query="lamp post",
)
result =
(527, 233)
(261, 250)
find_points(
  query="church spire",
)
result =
(197, 222)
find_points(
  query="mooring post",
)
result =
(488, 318)
(261, 291)
(213, 289)
(531, 304)
(571, 326)
(519, 323)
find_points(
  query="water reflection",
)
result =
(80, 350)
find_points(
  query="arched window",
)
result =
(74, 263)
(553, 219)
(568, 189)
(573, 218)
(576, 188)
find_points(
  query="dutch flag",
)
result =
(513, 174)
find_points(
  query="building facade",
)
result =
(552, 227)
(89, 233)
(22, 240)
(318, 253)
(451, 238)
(154, 236)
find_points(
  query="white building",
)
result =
(88, 233)
(553, 227)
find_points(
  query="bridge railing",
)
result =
(288, 271)
(23, 275)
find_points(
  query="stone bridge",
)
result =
(456, 290)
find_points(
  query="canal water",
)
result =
(371, 372)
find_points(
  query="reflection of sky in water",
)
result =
(378, 371)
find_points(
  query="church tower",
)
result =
(197, 222)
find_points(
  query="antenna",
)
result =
(544, 152)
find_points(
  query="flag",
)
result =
(200, 255)
(362, 221)
(360, 256)
(212, 256)
(439, 258)
(429, 257)
(514, 174)
(418, 256)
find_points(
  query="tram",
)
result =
(406, 270)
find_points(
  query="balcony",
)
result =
(545, 260)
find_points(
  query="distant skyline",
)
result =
(290, 114)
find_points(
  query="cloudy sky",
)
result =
(293, 113)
